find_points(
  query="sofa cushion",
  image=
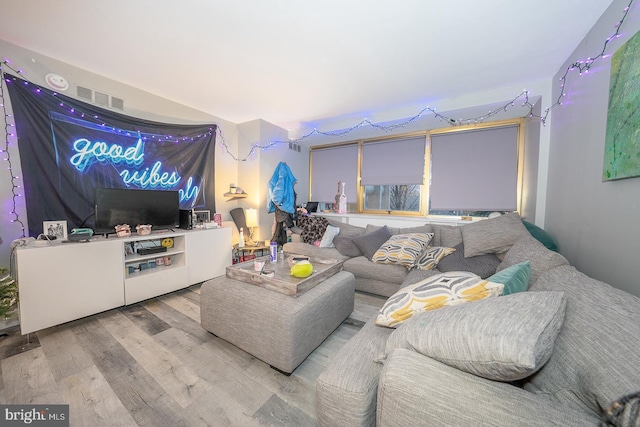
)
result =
(515, 278)
(370, 242)
(346, 229)
(427, 228)
(415, 275)
(482, 265)
(541, 235)
(346, 389)
(431, 256)
(446, 235)
(495, 235)
(530, 249)
(445, 289)
(345, 245)
(596, 357)
(502, 339)
(329, 234)
(306, 249)
(362, 268)
(415, 390)
(402, 249)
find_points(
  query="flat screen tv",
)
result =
(115, 206)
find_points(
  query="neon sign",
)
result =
(88, 153)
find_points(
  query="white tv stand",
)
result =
(59, 282)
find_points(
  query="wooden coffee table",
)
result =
(281, 280)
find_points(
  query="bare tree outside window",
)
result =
(405, 197)
(393, 197)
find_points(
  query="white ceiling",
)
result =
(293, 62)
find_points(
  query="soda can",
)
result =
(273, 251)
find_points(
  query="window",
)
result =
(472, 170)
(393, 174)
(330, 165)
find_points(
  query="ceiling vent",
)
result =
(117, 103)
(84, 93)
(102, 99)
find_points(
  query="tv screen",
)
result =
(115, 206)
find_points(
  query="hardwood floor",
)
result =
(152, 364)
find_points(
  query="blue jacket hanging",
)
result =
(281, 192)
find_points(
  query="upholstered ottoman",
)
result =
(278, 329)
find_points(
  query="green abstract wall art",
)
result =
(622, 143)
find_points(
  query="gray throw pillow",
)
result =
(530, 249)
(346, 230)
(371, 242)
(492, 236)
(345, 245)
(482, 265)
(503, 339)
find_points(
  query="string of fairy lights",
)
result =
(581, 65)
(13, 180)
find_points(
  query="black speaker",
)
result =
(186, 219)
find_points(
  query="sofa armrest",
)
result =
(416, 390)
(300, 248)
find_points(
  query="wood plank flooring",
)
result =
(152, 364)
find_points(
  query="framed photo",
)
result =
(203, 217)
(55, 228)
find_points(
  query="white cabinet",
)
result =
(61, 282)
(68, 281)
(208, 253)
(154, 274)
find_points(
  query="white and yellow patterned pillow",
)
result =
(403, 249)
(432, 256)
(441, 290)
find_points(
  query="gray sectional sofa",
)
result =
(379, 279)
(585, 360)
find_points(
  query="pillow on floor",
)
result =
(482, 265)
(502, 339)
(441, 290)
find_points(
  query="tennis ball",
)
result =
(302, 269)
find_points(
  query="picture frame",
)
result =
(202, 217)
(55, 228)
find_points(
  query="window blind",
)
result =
(393, 162)
(330, 165)
(475, 170)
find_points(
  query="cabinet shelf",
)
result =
(131, 259)
(236, 195)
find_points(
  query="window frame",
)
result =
(426, 184)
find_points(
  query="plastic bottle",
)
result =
(241, 239)
(342, 202)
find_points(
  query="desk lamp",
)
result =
(251, 217)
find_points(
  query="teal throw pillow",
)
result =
(542, 236)
(514, 278)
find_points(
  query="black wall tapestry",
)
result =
(69, 148)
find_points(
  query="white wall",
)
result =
(137, 103)
(595, 222)
(255, 170)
